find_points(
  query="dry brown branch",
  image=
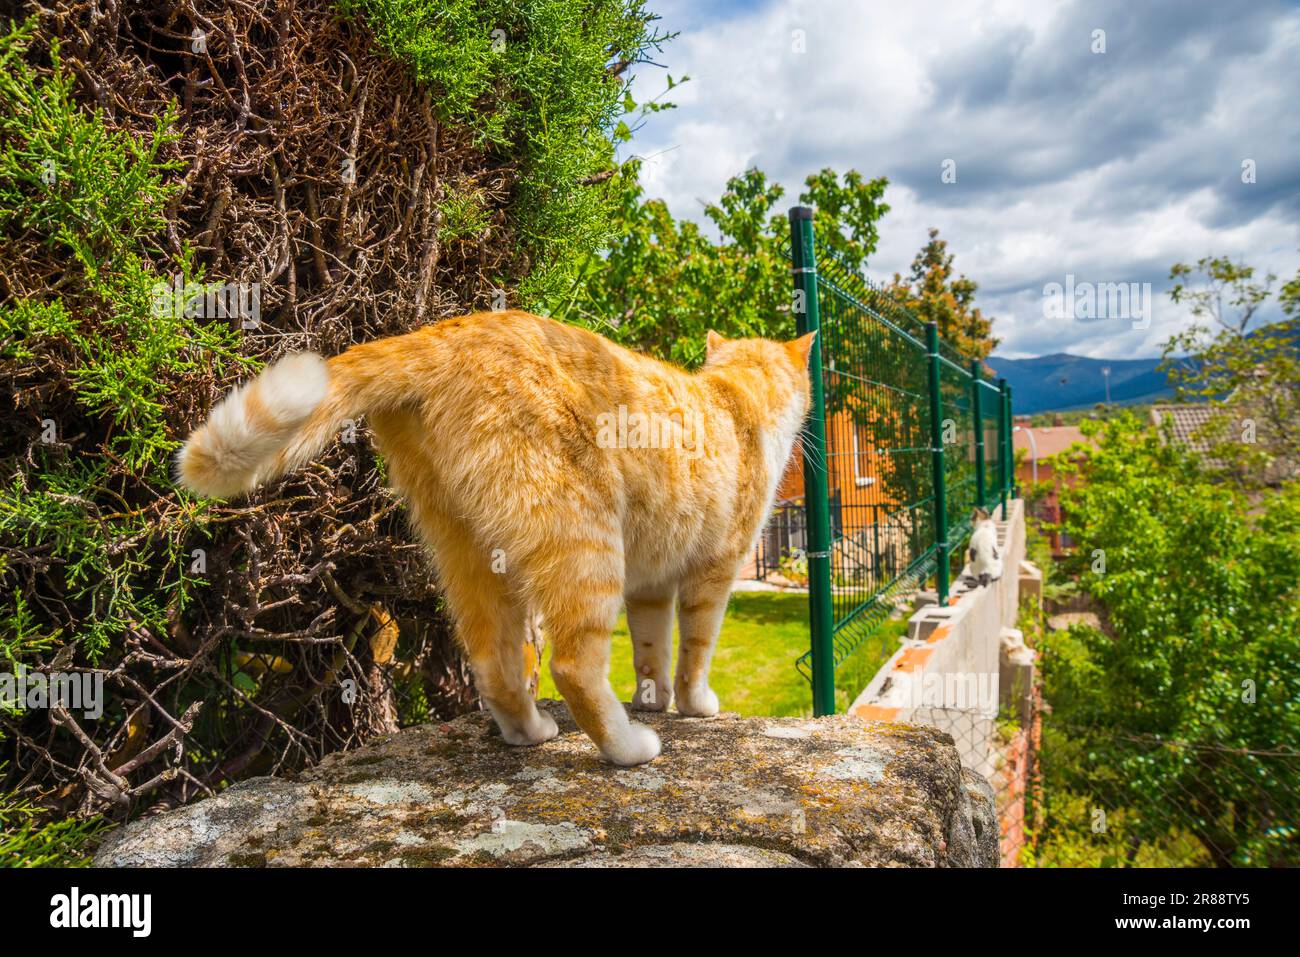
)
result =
(281, 94)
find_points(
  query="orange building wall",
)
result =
(843, 477)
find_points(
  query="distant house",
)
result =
(869, 536)
(869, 531)
(1185, 425)
(1044, 444)
(854, 466)
(1196, 427)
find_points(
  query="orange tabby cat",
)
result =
(548, 469)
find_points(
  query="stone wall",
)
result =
(727, 791)
(964, 662)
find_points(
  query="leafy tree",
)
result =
(663, 283)
(845, 214)
(1183, 711)
(1229, 295)
(933, 294)
(1252, 377)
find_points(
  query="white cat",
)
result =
(985, 560)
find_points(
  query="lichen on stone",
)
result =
(729, 791)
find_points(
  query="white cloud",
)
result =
(1111, 167)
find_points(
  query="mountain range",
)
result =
(1062, 381)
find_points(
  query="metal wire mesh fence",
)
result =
(894, 460)
(1102, 798)
(781, 549)
(1074, 786)
(1074, 795)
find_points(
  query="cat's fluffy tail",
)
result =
(262, 429)
(284, 417)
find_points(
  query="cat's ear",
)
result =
(712, 343)
(980, 515)
(802, 347)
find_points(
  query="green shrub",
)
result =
(541, 82)
(239, 669)
(1183, 711)
(28, 838)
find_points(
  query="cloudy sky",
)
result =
(1108, 166)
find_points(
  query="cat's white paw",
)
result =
(540, 729)
(697, 702)
(546, 726)
(637, 744)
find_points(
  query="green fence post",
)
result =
(816, 491)
(1012, 488)
(936, 457)
(977, 416)
(1004, 446)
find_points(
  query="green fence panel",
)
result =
(977, 429)
(940, 428)
(905, 438)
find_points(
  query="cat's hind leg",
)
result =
(650, 620)
(579, 599)
(489, 617)
(491, 624)
(701, 603)
(500, 674)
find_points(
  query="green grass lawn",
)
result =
(753, 668)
